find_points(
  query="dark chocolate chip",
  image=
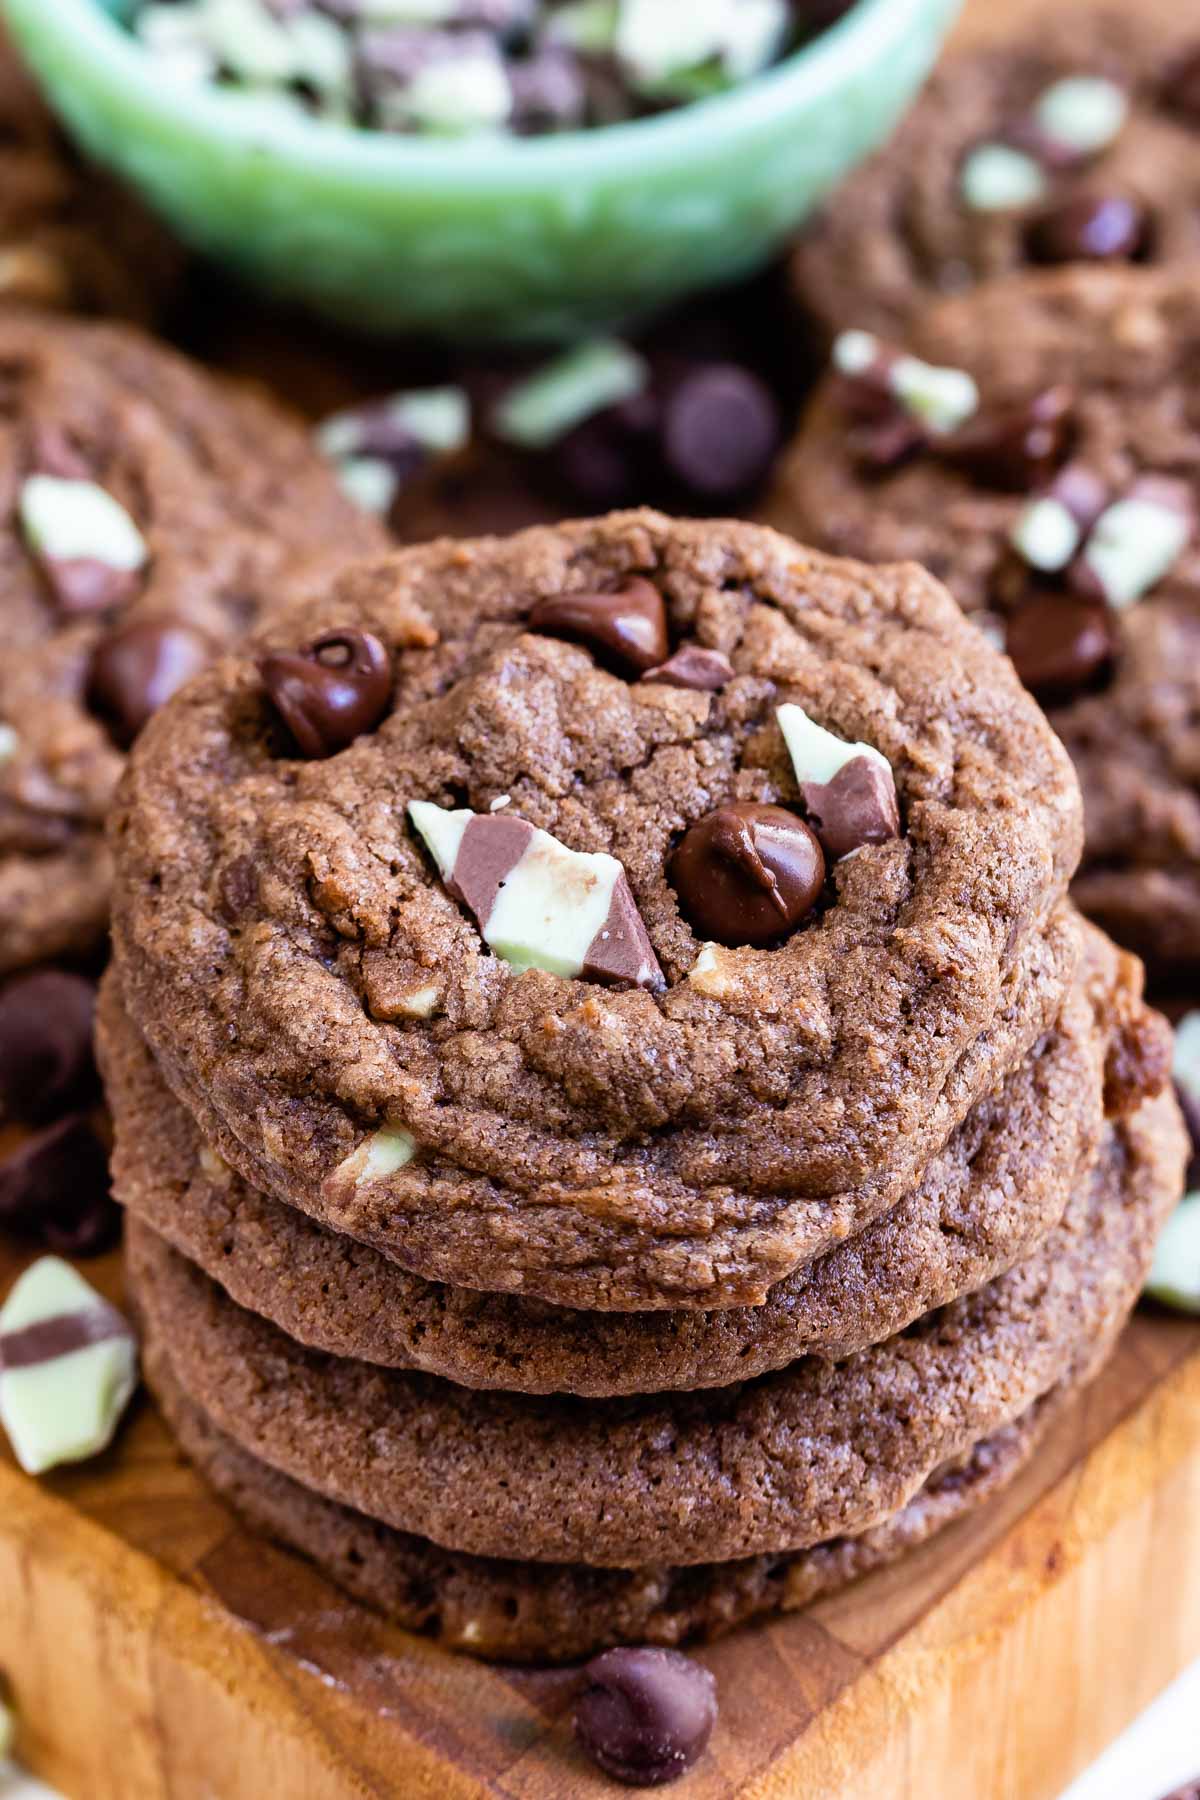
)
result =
(138, 667)
(1015, 447)
(1061, 645)
(1090, 228)
(1181, 90)
(54, 1190)
(692, 666)
(46, 1064)
(720, 430)
(628, 627)
(645, 1716)
(747, 874)
(332, 691)
(611, 459)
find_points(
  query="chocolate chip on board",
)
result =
(645, 1716)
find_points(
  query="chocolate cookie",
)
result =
(984, 1202)
(70, 237)
(1063, 501)
(150, 516)
(779, 1463)
(552, 1079)
(515, 1612)
(1079, 145)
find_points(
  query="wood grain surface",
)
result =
(153, 1650)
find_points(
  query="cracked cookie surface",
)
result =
(307, 981)
(984, 1202)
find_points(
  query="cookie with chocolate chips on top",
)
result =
(1036, 444)
(150, 515)
(1078, 144)
(465, 994)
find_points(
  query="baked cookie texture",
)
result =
(218, 503)
(71, 238)
(1107, 358)
(1081, 144)
(685, 1143)
(551, 1273)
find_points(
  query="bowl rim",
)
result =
(114, 61)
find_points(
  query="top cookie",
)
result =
(1082, 145)
(1062, 499)
(149, 514)
(543, 983)
(70, 237)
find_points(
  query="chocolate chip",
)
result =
(54, 1190)
(46, 1061)
(747, 874)
(720, 429)
(137, 668)
(611, 459)
(1014, 447)
(692, 666)
(1090, 228)
(1181, 90)
(331, 692)
(645, 1716)
(1060, 645)
(237, 889)
(628, 627)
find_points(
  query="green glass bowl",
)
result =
(527, 238)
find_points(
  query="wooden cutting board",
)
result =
(153, 1650)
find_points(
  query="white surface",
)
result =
(1158, 1753)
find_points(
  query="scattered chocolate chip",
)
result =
(628, 627)
(747, 874)
(692, 666)
(1060, 645)
(1181, 90)
(331, 692)
(137, 668)
(54, 1189)
(1090, 228)
(1014, 447)
(645, 1716)
(46, 1064)
(609, 459)
(720, 429)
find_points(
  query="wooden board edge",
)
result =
(1043, 1653)
(126, 1682)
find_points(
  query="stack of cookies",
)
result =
(1012, 295)
(622, 1127)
